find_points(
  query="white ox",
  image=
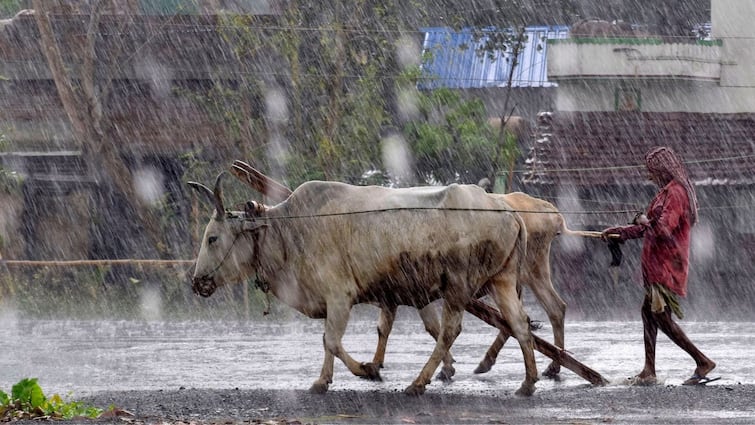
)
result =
(330, 245)
(543, 223)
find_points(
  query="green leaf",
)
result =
(28, 392)
(37, 397)
(4, 399)
(22, 390)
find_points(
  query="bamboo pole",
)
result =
(75, 263)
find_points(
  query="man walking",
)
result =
(665, 230)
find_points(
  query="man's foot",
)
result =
(705, 368)
(642, 381)
(700, 377)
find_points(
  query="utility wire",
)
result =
(208, 27)
(439, 209)
(628, 167)
(466, 210)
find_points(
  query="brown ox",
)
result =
(331, 245)
(543, 222)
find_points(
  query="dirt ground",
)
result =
(731, 404)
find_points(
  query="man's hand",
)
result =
(641, 219)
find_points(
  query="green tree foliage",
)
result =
(334, 71)
(331, 72)
(8, 8)
(452, 141)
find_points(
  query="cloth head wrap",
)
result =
(662, 161)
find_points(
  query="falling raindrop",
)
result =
(703, 244)
(407, 103)
(149, 186)
(276, 105)
(407, 52)
(397, 158)
(569, 203)
(150, 302)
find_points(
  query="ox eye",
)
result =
(212, 239)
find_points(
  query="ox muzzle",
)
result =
(204, 286)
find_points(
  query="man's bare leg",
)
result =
(650, 337)
(676, 334)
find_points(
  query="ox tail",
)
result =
(582, 233)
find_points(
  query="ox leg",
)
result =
(491, 355)
(320, 386)
(335, 326)
(555, 308)
(450, 329)
(384, 327)
(495, 348)
(505, 294)
(430, 319)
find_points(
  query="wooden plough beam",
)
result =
(278, 193)
(491, 316)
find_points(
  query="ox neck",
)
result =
(270, 257)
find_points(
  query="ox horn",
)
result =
(218, 195)
(215, 197)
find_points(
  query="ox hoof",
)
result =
(525, 390)
(446, 374)
(318, 388)
(552, 371)
(483, 367)
(371, 372)
(415, 390)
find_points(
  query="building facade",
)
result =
(619, 96)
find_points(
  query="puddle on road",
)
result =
(89, 356)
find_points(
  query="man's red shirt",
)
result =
(665, 249)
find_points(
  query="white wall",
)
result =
(733, 21)
(656, 96)
(615, 60)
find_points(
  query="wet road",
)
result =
(84, 357)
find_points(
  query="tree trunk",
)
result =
(84, 108)
(506, 114)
